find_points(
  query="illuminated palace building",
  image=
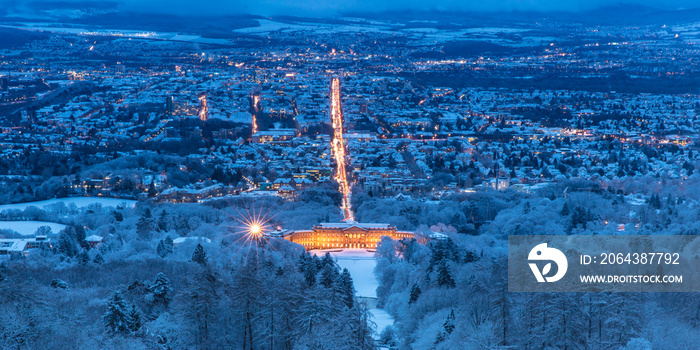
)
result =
(345, 235)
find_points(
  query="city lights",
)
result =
(256, 106)
(203, 109)
(338, 147)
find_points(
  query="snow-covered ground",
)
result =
(119, 33)
(79, 202)
(28, 228)
(360, 263)
(636, 199)
(267, 26)
(382, 319)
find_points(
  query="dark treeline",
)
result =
(619, 82)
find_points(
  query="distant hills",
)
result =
(110, 14)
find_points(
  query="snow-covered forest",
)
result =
(145, 288)
(453, 294)
(183, 276)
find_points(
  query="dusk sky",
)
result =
(311, 7)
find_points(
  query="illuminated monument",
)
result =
(347, 234)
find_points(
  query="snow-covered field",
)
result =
(428, 34)
(122, 33)
(79, 202)
(28, 228)
(360, 263)
(382, 319)
(267, 26)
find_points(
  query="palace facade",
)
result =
(348, 234)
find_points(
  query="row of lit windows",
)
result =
(302, 237)
(361, 240)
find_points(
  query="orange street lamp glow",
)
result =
(255, 230)
(338, 148)
(252, 230)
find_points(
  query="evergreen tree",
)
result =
(152, 192)
(203, 309)
(308, 268)
(444, 277)
(328, 276)
(80, 236)
(3, 271)
(655, 201)
(43, 231)
(327, 260)
(169, 245)
(163, 224)
(441, 250)
(99, 260)
(409, 249)
(137, 288)
(347, 290)
(161, 250)
(167, 248)
(623, 319)
(469, 256)
(579, 218)
(134, 321)
(116, 319)
(501, 306)
(218, 174)
(565, 209)
(161, 289)
(199, 256)
(67, 243)
(144, 227)
(415, 293)
(247, 290)
(83, 258)
(57, 283)
(447, 328)
(181, 225)
(449, 322)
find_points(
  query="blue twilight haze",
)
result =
(320, 8)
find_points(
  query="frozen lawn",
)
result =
(28, 228)
(361, 264)
(79, 202)
(382, 319)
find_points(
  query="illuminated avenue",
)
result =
(338, 148)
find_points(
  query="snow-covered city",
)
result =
(293, 175)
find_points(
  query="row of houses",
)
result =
(16, 247)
